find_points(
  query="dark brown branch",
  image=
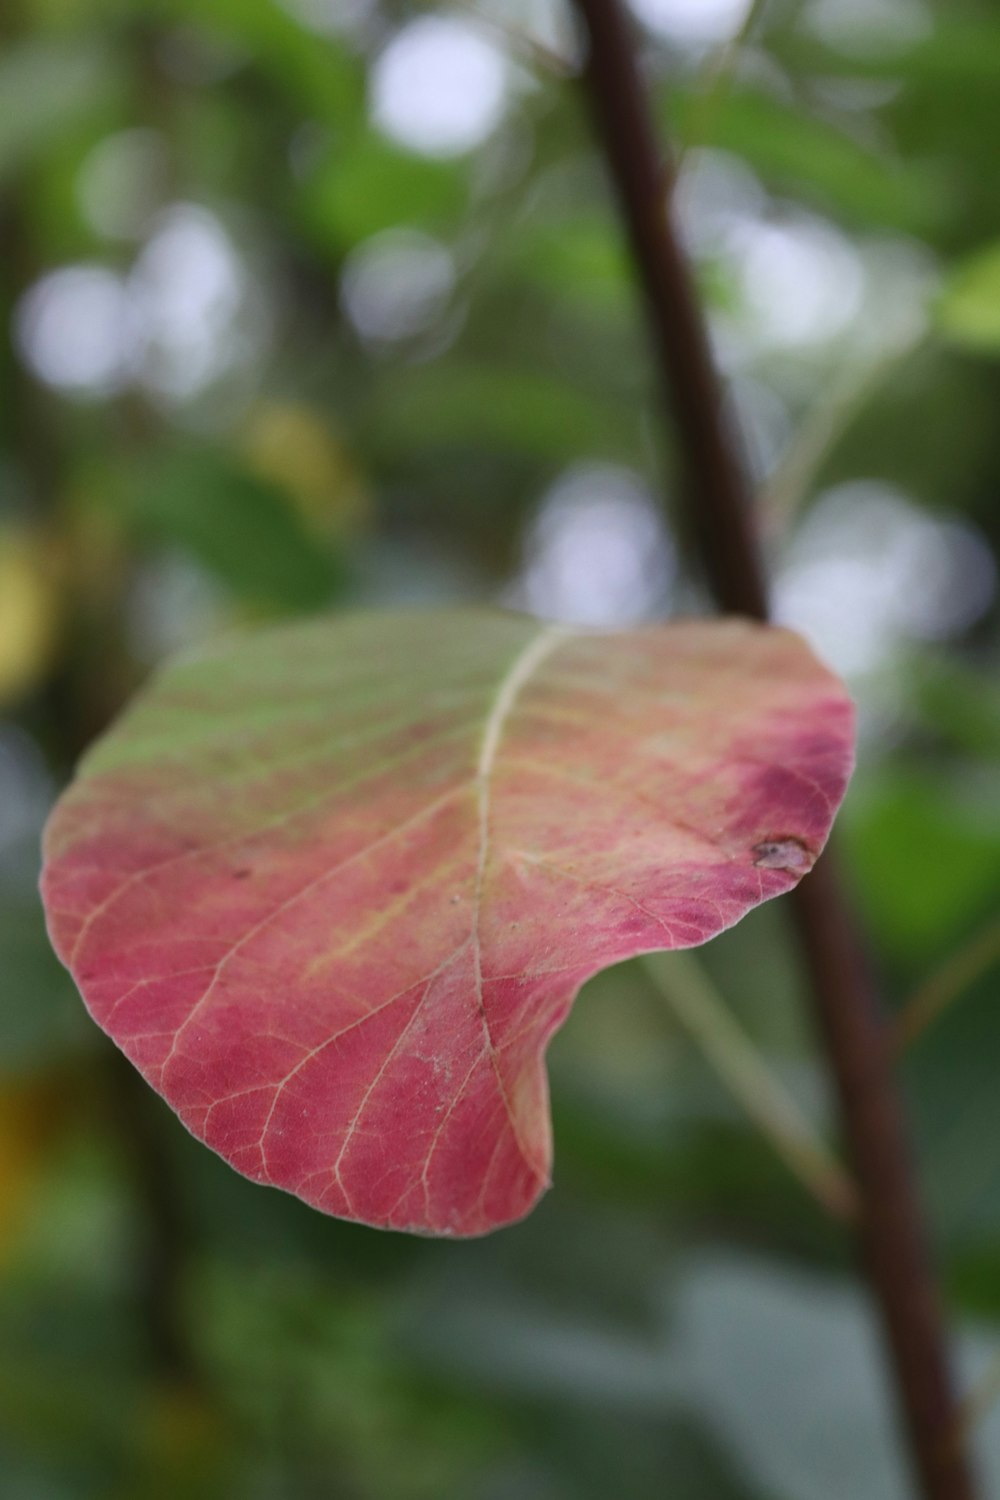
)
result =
(162, 1249)
(719, 508)
(720, 512)
(859, 1046)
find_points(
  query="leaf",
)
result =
(365, 185)
(324, 82)
(44, 1026)
(288, 445)
(926, 851)
(814, 158)
(778, 1366)
(29, 611)
(580, 259)
(968, 309)
(333, 887)
(48, 88)
(499, 409)
(239, 525)
(803, 1425)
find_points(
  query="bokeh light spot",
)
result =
(396, 285)
(597, 552)
(439, 87)
(76, 330)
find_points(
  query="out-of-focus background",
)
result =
(322, 303)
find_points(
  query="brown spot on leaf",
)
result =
(785, 853)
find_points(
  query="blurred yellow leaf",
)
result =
(29, 1120)
(179, 1430)
(289, 445)
(29, 611)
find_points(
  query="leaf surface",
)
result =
(333, 887)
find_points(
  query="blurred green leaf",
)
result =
(580, 259)
(924, 857)
(960, 51)
(960, 702)
(48, 88)
(968, 309)
(495, 407)
(784, 1368)
(317, 73)
(364, 185)
(801, 152)
(311, 1373)
(40, 1020)
(242, 528)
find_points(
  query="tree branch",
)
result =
(719, 510)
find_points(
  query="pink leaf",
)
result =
(333, 887)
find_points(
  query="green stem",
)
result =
(718, 77)
(932, 998)
(535, 54)
(843, 396)
(699, 1008)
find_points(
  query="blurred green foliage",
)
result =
(266, 352)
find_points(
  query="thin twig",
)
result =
(696, 1004)
(162, 1249)
(718, 78)
(719, 506)
(844, 395)
(532, 52)
(947, 984)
